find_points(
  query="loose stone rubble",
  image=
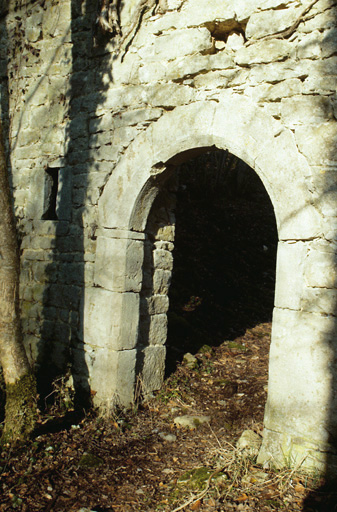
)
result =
(95, 127)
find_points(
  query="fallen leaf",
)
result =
(243, 497)
(299, 488)
(196, 505)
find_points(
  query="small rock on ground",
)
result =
(189, 421)
(249, 443)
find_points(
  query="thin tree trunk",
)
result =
(20, 382)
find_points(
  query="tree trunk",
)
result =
(20, 411)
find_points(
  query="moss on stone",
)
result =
(20, 410)
(88, 460)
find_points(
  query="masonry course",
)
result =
(111, 118)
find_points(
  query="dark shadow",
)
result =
(62, 350)
(224, 257)
(218, 214)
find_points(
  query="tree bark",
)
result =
(20, 411)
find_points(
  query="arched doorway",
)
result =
(216, 217)
(112, 307)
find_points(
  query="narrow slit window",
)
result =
(50, 194)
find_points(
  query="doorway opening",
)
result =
(223, 278)
(210, 258)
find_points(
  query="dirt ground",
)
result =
(142, 461)
(221, 301)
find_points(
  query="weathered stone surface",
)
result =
(156, 329)
(316, 143)
(161, 281)
(324, 188)
(268, 22)
(320, 265)
(153, 370)
(157, 304)
(119, 264)
(263, 52)
(309, 337)
(191, 75)
(111, 377)
(180, 42)
(249, 443)
(110, 319)
(163, 259)
(289, 274)
(306, 110)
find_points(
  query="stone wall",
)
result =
(96, 123)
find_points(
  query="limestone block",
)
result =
(211, 80)
(278, 71)
(161, 281)
(137, 116)
(163, 259)
(158, 329)
(329, 43)
(317, 44)
(289, 274)
(317, 143)
(152, 372)
(31, 344)
(35, 209)
(33, 33)
(118, 97)
(306, 110)
(165, 233)
(180, 42)
(323, 20)
(195, 15)
(302, 375)
(320, 265)
(57, 20)
(107, 153)
(263, 52)
(320, 84)
(43, 116)
(235, 41)
(181, 68)
(168, 95)
(164, 245)
(111, 376)
(155, 305)
(119, 264)
(38, 92)
(310, 46)
(50, 227)
(57, 86)
(295, 215)
(153, 329)
(320, 300)
(110, 319)
(283, 89)
(38, 291)
(322, 67)
(263, 23)
(278, 448)
(324, 188)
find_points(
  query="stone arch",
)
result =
(235, 124)
(111, 310)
